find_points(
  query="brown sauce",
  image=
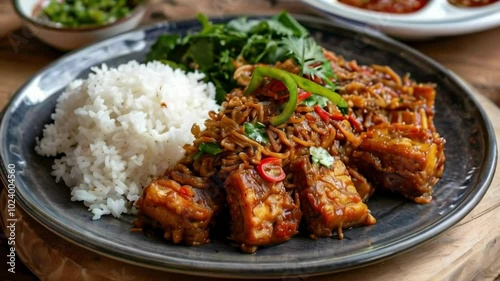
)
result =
(472, 3)
(391, 6)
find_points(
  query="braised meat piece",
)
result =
(183, 212)
(405, 159)
(262, 213)
(329, 200)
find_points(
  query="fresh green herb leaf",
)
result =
(242, 24)
(321, 156)
(201, 54)
(277, 27)
(163, 47)
(210, 148)
(173, 64)
(310, 58)
(198, 155)
(305, 51)
(292, 24)
(220, 92)
(255, 43)
(256, 131)
(315, 100)
(205, 22)
(329, 74)
(215, 48)
(226, 64)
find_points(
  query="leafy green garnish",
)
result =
(321, 156)
(216, 46)
(297, 29)
(256, 131)
(214, 49)
(315, 100)
(310, 58)
(209, 148)
(73, 13)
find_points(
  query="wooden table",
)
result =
(468, 251)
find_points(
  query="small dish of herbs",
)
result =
(71, 24)
(84, 13)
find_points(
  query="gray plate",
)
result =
(402, 225)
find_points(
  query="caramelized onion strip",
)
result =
(302, 142)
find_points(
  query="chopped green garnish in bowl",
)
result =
(79, 13)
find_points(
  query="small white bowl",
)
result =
(69, 38)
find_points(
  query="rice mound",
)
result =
(120, 128)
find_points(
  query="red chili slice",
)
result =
(355, 123)
(326, 116)
(323, 114)
(337, 116)
(302, 96)
(270, 169)
(277, 86)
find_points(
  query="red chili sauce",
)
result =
(471, 3)
(392, 6)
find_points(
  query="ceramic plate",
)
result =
(437, 18)
(402, 225)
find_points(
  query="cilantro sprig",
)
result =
(310, 58)
(216, 46)
(214, 49)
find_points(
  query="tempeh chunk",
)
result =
(184, 213)
(329, 200)
(262, 213)
(405, 159)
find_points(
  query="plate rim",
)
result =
(486, 172)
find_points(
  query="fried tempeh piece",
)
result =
(329, 200)
(405, 159)
(262, 213)
(364, 188)
(184, 213)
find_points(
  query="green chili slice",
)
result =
(292, 81)
(317, 89)
(266, 71)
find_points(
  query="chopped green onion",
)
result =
(258, 77)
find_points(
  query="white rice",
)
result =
(120, 128)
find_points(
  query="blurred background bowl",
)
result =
(69, 38)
